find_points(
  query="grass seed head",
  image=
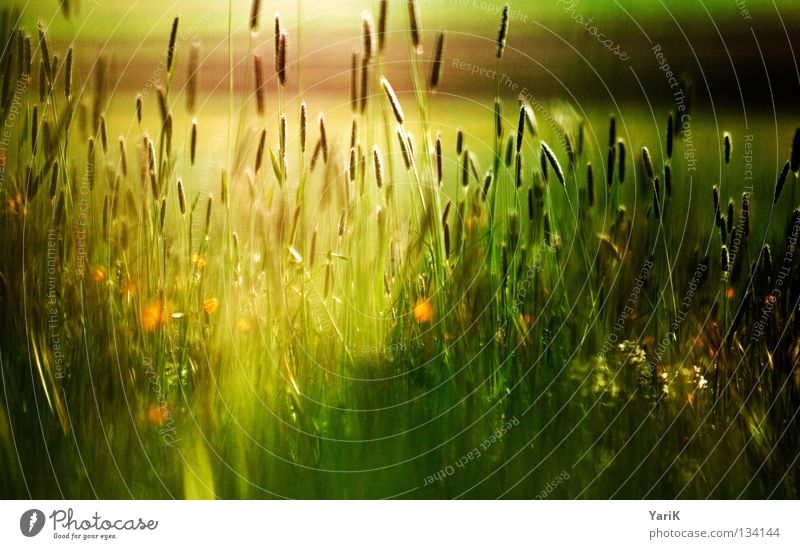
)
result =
(393, 101)
(436, 67)
(382, 25)
(255, 11)
(68, 76)
(439, 174)
(502, 34)
(260, 150)
(258, 69)
(726, 141)
(670, 137)
(181, 197)
(367, 36)
(551, 157)
(191, 76)
(303, 126)
(171, 47)
(647, 162)
(781, 181)
(413, 19)
(376, 160)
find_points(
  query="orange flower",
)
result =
(152, 316)
(210, 305)
(730, 293)
(99, 274)
(423, 311)
(198, 261)
(158, 414)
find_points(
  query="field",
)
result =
(343, 254)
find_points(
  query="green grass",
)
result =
(338, 352)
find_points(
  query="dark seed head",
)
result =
(502, 34)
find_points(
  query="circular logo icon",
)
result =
(31, 522)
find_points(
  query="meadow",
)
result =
(230, 271)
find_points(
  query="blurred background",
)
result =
(736, 51)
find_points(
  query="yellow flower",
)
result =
(423, 311)
(99, 274)
(152, 316)
(244, 326)
(210, 305)
(198, 261)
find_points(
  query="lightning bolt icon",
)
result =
(34, 520)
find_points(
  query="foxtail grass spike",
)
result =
(503, 33)
(612, 132)
(303, 126)
(465, 170)
(621, 159)
(551, 157)
(520, 128)
(352, 166)
(103, 135)
(280, 59)
(393, 101)
(191, 76)
(367, 36)
(404, 149)
(255, 11)
(589, 184)
(323, 140)
(53, 181)
(459, 142)
(193, 143)
(260, 150)
(436, 67)
(123, 156)
(647, 162)
(781, 181)
(413, 19)
(668, 179)
(382, 25)
(364, 85)
(376, 159)
(354, 81)
(543, 165)
(498, 118)
(670, 137)
(796, 152)
(258, 69)
(163, 215)
(139, 108)
(45, 50)
(181, 197)
(726, 141)
(68, 76)
(171, 48)
(487, 183)
(509, 150)
(439, 175)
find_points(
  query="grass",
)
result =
(299, 331)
